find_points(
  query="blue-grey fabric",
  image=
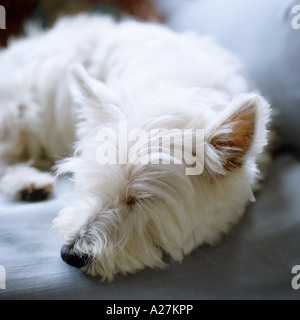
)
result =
(260, 32)
(254, 261)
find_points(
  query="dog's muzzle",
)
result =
(71, 258)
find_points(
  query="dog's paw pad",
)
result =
(34, 194)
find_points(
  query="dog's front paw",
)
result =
(27, 183)
(34, 193)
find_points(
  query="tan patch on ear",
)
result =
(235, 144)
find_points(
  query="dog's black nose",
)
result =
(70, 257)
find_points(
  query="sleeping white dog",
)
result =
(60, 88)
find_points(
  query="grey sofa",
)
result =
(255, 260)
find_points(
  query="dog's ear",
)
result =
(94, 97)
(239, 132)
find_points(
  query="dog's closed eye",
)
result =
(130, 201)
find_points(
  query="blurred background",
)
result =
(46, 12)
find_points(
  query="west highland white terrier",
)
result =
(89, 74)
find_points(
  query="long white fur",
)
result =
(126, 217)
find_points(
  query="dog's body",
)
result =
(124, 217)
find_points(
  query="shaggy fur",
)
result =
(59, 88)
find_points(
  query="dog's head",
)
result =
(129, 214)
